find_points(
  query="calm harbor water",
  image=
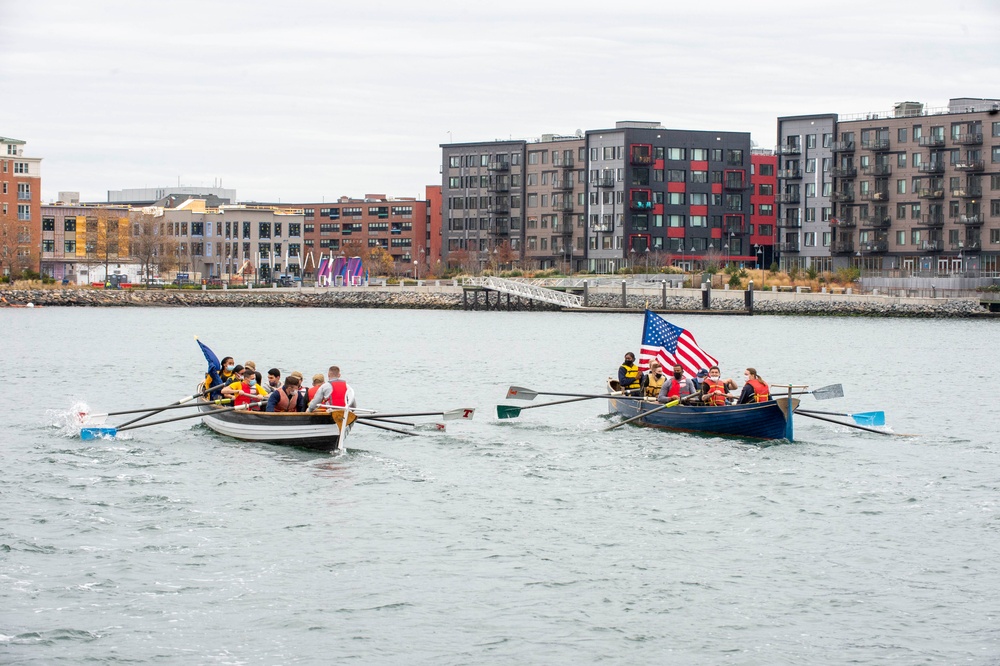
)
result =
(539, 539)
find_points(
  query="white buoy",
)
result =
(30, 305)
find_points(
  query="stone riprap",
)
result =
(450, 298)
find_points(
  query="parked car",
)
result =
(286, 281)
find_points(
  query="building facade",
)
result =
(20, 208)
(77, 238)
(915, 190)
(348, 226)
(763, 208)
(683, 195)
(805, 184)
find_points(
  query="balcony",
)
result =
(930, 141)
(842, 247)
(877, 222)
(736, 184)
(564, 163)
(875, 195)
(970, 245)
(498, 165)
(881, 170)
(843, 196)
(640, 160)
(875, 247)
(844, 172)
(790, 174)
(842, 146)
(787, 198)
(563, 206)
(968, 192)
(788, 223)
(969, 139)
(501, 229)
(970, 220)
(605, 181)
(639, 205)
(498, 209)
(498, 186)
(843, 222)
(931, 167)
(788, 149)
(563, 185)
(878, 145)
(24, 196)
(788, 246)
(566, 226)
(970, 165)
(933, 220)
(931, 246)
(930, 193)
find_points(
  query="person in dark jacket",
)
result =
(629, 376)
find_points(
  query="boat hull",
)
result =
(314, 430)
(766, 420)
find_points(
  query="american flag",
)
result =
(670, 345)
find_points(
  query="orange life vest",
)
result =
(286, 404)
(714, 385)
(761, 391)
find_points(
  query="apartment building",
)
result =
(806, 172)
(555, 184)
(20, 207)
(763, 207)
(252, 242)
(399, 225)
(77, 238)
(682, 193)
(915, 189)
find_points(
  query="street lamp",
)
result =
(647, 259)
(760, 264)
(416, 270)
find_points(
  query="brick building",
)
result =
(20, 208)
(763, 210)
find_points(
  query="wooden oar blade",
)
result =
(465, 413)
(520, 393)
(828, 392)
(508, 412)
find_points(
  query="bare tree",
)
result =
(16, 255)
(150, 247)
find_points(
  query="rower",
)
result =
(246, 391)
(653, 380)
(628, 375)
(756, 389)
(676, 387)
(333, 393)
(225, 376)
(714, 388)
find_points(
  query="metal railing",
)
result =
(523, 290)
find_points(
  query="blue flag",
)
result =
(213, 368)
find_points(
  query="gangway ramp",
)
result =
(523, 290)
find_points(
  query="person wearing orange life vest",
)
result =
(317, 382)
(287, 398)
(676, 387)
(755, 390)
(246, 391)
(714, 389)
(334, 393)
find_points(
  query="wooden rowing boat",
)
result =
(765, 420)
(312, 430)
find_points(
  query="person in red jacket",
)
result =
(335, 393)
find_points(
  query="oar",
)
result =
(385, 427)
(825, 392)
(521, 393)
(90, 417)
(449, 415)
(94, 433)
(847, 425)
(861, 418)
(394, 421)
(643, 415)
(157, 410)
(511, 412)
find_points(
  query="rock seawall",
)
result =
(451, 299)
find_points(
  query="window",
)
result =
(767, 169)
(811, 165)
(827, 238)
(994, 236)
(827, 163)
(676, 153)
(699, 199)
(916, 160)
(48, 224)
(734, 201)
(766, 209)
(699, 220)
(294, 229)
(810, 140)
(915, 236)
(995, 181)
(900, 238)
(810, 238)
(48, 245)
(69, 247)
(675, 220)
(699, 154)
(901, 138)
(734, 156)
(827, 140)
(918, 132)
(900, 211)
(901, 186)
(915, 211)
(827, 213)
(20, 167)
(810, 214)
(996, 128)
(765, 190)
(699, 176)
(197, 228)
(827, 189)
(995, 154)
(676, 175)
(716, 154)
(658, 175)
(675, 198)
(810, 189)
(455, 161)
(24, 212)
(765, 229)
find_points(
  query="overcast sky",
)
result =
(306, 100)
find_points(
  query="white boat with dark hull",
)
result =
(313, 430)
